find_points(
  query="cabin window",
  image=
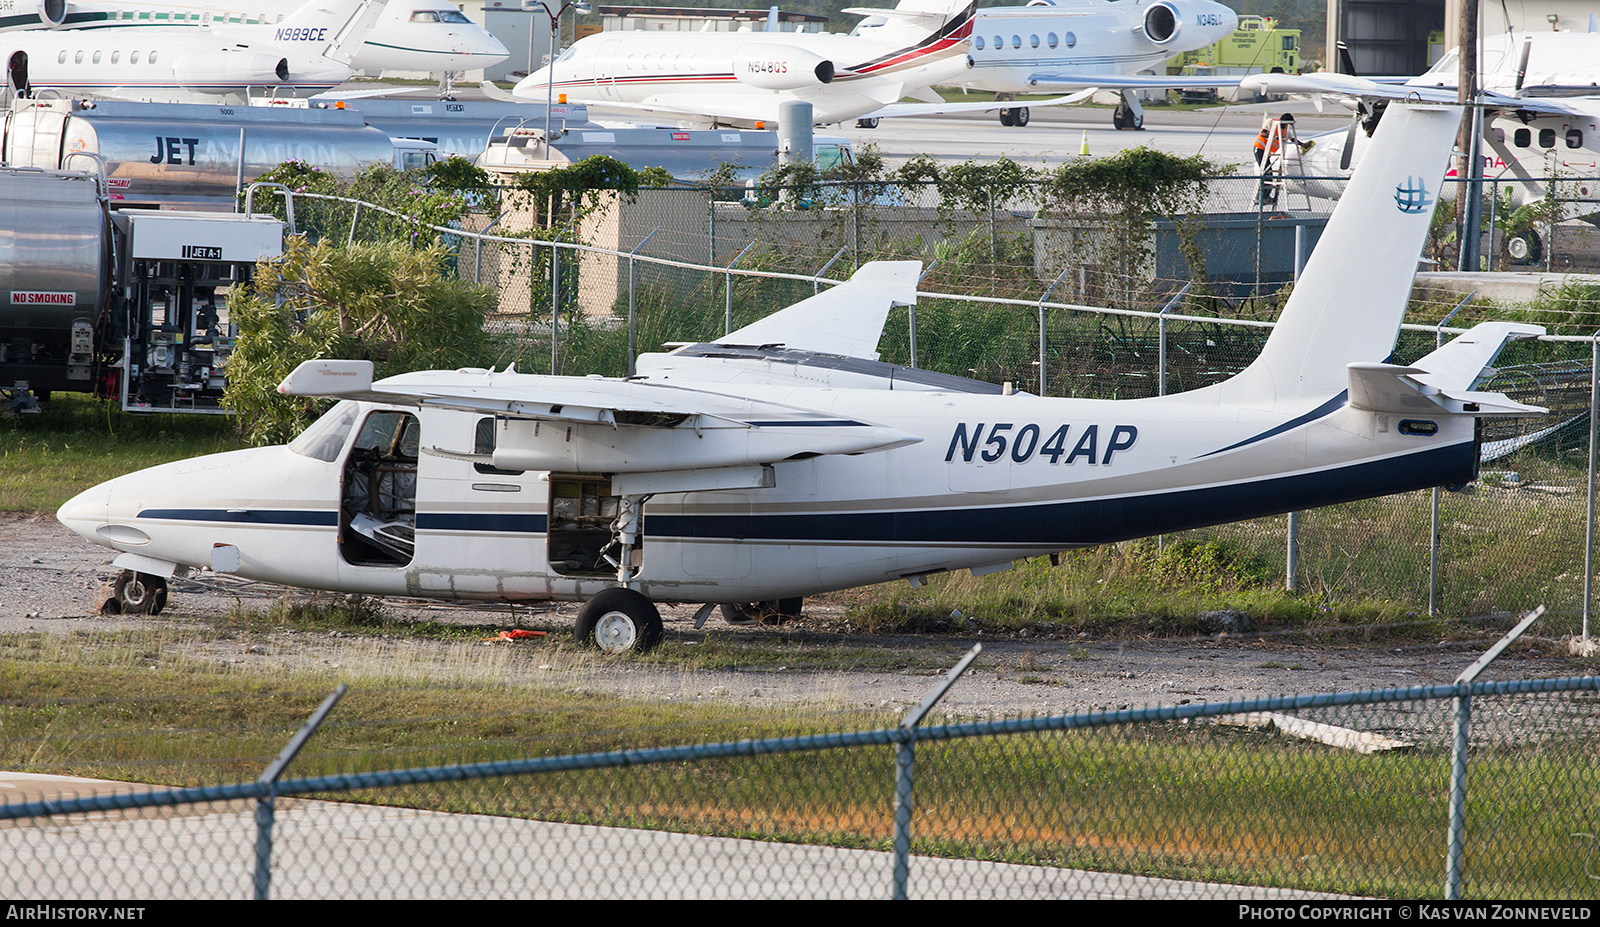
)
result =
(1072, 40)
(116, 57)
(1052, 40)
(1016, 41)
(483, 442)
(78, 58)
(62, 58)
(999, 43)
(977, 42)
(151, 59)
(1522, 138)
(1547, 138)
(1574, 138)
(96, 56)
(1033, 41)
(133, 58)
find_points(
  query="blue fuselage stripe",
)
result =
(1059, 524)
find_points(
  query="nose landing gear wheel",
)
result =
(139, 593)
(619, 621)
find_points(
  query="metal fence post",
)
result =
(905, 754)
(633, 343)
(265, 807)
(555, 306)
(1588, 530)
(816, 281)
(1292, 552)
(1462, 717)
(1043, 319)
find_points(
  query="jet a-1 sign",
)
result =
(785, 460)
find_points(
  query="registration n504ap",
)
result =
(1059, 444)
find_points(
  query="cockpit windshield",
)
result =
(326, 436)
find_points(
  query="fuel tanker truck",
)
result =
(126, 304)
(194, 154)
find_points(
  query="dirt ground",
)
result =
(51, 581)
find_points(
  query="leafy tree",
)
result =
(386, 302)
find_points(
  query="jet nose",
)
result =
(487, 46)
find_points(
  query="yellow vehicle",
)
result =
(1258, 46)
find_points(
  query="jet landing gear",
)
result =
(1128, 114)
(1016, 116)
(138, 593)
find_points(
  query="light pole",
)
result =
(550, 69)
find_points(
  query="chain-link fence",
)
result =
(1354, 794)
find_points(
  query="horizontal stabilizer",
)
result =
(1397, 390)
(846, 320)
(1465, 360)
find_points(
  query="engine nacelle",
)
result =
(779, 67)
(52, 13)
(1204, 21)
(212, 72)
(1162, 22)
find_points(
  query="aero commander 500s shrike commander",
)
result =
(785, 460)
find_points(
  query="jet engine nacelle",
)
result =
(52, 13)
(779, 67)
(203, 72)
(1163, 21)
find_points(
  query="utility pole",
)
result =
(1469, 140)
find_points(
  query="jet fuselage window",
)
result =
(1052, 40)
(1522, 138)
(1033, 41)
(977, 42)
(78, 58)
(151, 59)
(999, 43)
(424, 16)
(133, 58)
(1016, 41)
(62, 58)
(1547, 138)
(1072, 40)
(1574, 138)
(96, 57)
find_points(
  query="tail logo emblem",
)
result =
(1412, 195)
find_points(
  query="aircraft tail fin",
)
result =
(911, 20)
(1351, 297)
(335, 29)
(846, 320)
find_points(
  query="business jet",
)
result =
(785, 459)
(740, 78)
(310, 50)
(1064, 45)
(409, 35)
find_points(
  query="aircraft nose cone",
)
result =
(87, 511)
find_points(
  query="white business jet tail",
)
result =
(1349, 301)
(333, 29)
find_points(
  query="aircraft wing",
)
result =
(1045, 81)
(1316, 85)
(596, 424)
(1441, 383)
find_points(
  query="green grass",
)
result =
(77, 442)
(1191, 801)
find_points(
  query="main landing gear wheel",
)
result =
(139, 593)
(619, 621)
(1019, 116)
(1123, 117)
(869, 123)
(770, 612)
(1524, 248)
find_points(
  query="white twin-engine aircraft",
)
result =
(309, 50)
(784, 460)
